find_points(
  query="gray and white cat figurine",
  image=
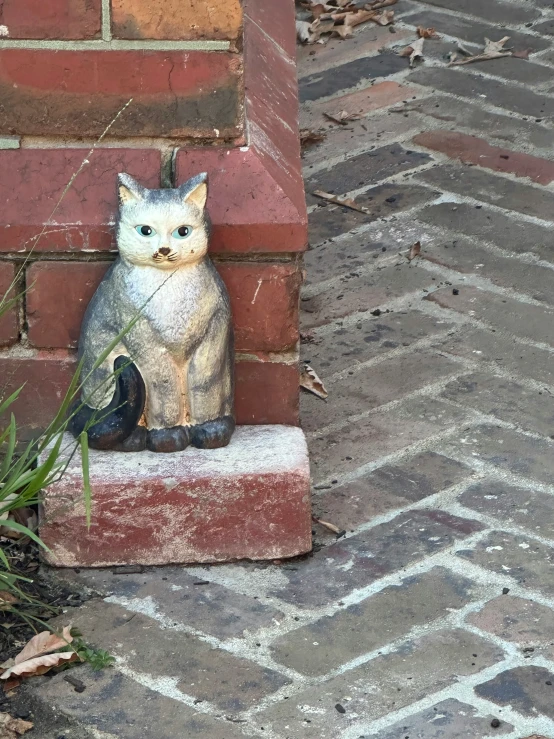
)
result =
(173, 381)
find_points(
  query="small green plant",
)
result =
(98, 659)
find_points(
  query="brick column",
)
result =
(161, 89)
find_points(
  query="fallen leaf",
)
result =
(330, 526)
(342, 117)
(349, 20)
(492, 50)
(40, 665)
(415, 251)
(308, 137)
(7, 599)
(340, 200)
(414, 51)
(385, 18)
(310, 33)
(427, 32)
(43, 643)
(311, 382)
(522, 53)
(10, 727)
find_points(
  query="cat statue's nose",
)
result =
(164, 250)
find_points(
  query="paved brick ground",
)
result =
(432, 617)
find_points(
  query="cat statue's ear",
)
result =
(129, 190)
(195, 190)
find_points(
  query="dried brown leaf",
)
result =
(308, 137)
(415, 251)
(330, 526)
(522, 53)
(492, 50)
(376, 4)
(39, 665)
(7, 599)
(385, 18)
(11, 728)
(340, 200)
(43, 643)
(406, 51)
(414, 51)
(427, 32)
(311, 382)
(342, 117)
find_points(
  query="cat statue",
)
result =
(169, 380)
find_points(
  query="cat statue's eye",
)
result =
(145, 230)
(182, 232)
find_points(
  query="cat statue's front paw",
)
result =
(212, 434)
(168, 440)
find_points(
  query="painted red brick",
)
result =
(250, 210)
(473, 150)
(57, 296)
(255, 504)
(78, 93)
(277, 21)
(266, 392)
(264, 301)
(32, 182)
(176, 19)
(46, 378)
(52, 19)
(9, 321)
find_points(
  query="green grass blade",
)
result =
(87, 492)
(7, 461)
(24, 530)
(13, 397)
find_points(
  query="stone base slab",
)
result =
(250, 500)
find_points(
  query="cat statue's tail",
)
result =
(117, 421)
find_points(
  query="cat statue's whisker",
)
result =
(178, 389)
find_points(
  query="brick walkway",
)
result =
(432, 617)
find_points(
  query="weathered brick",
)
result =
(463, 115)
(354, 563)
(264, 304)
(368, 39)
(322, 646)
(277, 22)
(505, 399)
(361, 102)
(348, 346)
(449, 719)
(363, 169)
(524, 622)
(463, 255)
(508, 315)
(502, 230)
(142, 19)
(527, 690)
(523, 507)
(76, 93)
(498, 92)
(499, 191)
(45, 379)
(379, 434)
(361, 293)
(389, 487)
(493, 10)
(413, 671)
(382, 201)
(475, 31)
(178, 598)
(546, 28)
(367, 388)
(253, 208)
(115, 704)
(32, 182)
(266, 392)
(229, 682)
(350, 74)
(505, 352)
(354, 137)
(52, 19)
(477, 151)
(529, 562)
(57, 297)
(9, 320)
(507, 450)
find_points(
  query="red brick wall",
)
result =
(195, 91)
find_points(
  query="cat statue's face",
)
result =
(165, 228)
